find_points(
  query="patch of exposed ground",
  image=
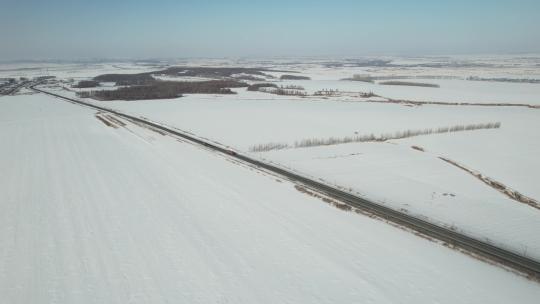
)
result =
(145, 126)
(110, 120)
(326, 199)
(511, 193)
(115, 120)
(103, 118)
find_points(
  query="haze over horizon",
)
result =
(140, 29)
(199, 151)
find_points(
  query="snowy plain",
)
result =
(97, 214)
(83, 70)
(249, 118)
(94, 213)
(422, 184)
(450, 90)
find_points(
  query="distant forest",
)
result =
(165, 89)
(146, 86)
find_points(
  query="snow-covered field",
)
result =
(269, 118)
(451, 76)
(116, 214)
(450, 90)
(459, 67)
(96, 214)
(72, 70)
(421, 183)
(391, 173)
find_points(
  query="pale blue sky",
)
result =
(156, 29)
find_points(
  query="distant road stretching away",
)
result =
(508, 258)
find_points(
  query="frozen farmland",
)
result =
(98, 207)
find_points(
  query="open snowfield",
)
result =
(97, 209)
(442, 193)
(459, 67)
(450, 90)
(420, 183)
(509, 154)
(251, 118)
(451, 76)
(97, 214)
(71, 70)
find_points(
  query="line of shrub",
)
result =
(313, 142)
(293, 77)
(407, 83)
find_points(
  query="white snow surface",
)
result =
(418, 182)
(251, 118)
(450, 90)
(422, 185)
(93, 214)
(72, 70)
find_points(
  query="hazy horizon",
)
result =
(72, 30)
(270, 152)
